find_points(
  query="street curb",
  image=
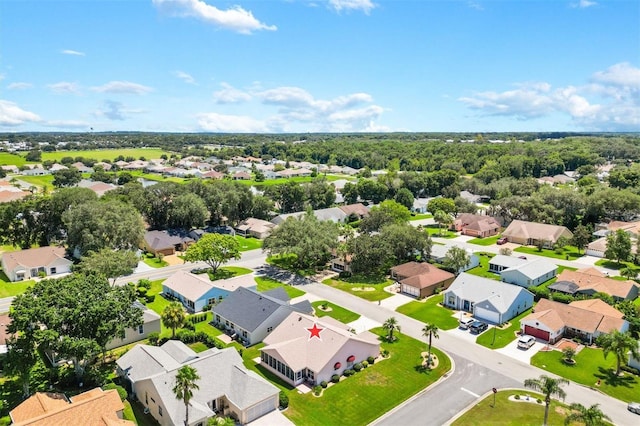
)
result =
(473, 404)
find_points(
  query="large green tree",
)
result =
(75, 316)
(66, 177)
(620, 345)
(581, 237)
(618, 246)
(108, 263)
(96, 225)
(186, 383)
(214, 249)
(405, 242)
(447, 205)
(187, 211)
(311, 240)
(548, 386)
(386, 213)
(404, 197)
(456, 258)
(442, 218)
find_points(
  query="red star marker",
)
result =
(315, 331)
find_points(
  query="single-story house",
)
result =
(256, 228)
(358, 210)
(586, 319)
(500, 262)
(95, 407)
(307, 349)
(164, 242)
(212, 174)
(421, 279)
(597, 248)
(419, 205)
(473, 198)
(221, 229)
(334, 214)
(439, 252)
(100, 188)
(531, 233)
(241, 176)
(251, 315)
(591, 281)
(226, 387)
(31, 263)
(340, 264)
(151, 323)
(476, 225)
(531, 273)
(487, 299)
(81, 167)
(195, 291)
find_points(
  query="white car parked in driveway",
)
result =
(525, 341)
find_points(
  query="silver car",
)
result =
(525, 341)
(634, 407)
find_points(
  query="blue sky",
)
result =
(320, 65)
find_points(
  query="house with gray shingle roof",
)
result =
(531, 273)
(334, 214)
(487, 299)
(251, 315)
(226, 386)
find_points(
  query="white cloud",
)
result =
(583, 4)
(187, 78)
(230, 95)
(475, 5)
(12, 115)
(123, 87)
(235, 18)
(287, 96)
(71, 52)
(364, 5)
(214, 122)
(64, 87)
(116, 111)
(611, 102)
(19, 86)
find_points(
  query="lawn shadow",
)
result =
(610, 378)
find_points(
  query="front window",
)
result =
(141, 329)
(54, 271)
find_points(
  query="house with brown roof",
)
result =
(256, 228)
(164, 242)
(31, 263)
(421, 279)
(357, 210)
(531, 233)
(586, 319)
(476, 225)
(591, 281)
(95, 407)
(306, 349)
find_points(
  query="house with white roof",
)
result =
(487, 299)
(306, 349)
(531, 273)
(226, 387)
(439, 253)
(500, 262)
(250, 315)
(334, 214)
(195, 291)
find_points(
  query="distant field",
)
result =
(7, 159)
(106, 154)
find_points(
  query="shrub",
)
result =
(153, 338)
(365, 364)
(539, 401)
(357, 366)
(121, 391)
(324, 384)
(188, 325)
(186, 336)
(284, 400)
(335, 378)
(317, 390)
(206, 308)
(150, 298)
(385, 353)
(142, 292)
(517, 396)
(144, 284)
(344, 274)
(371, 360)
(347, 373)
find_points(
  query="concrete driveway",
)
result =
(363, 324)
(274, 418)
(524, 355)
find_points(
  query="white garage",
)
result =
(487, 315)
(261, 409)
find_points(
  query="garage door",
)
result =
(410, 290)
(261, 409)
(487, 315)
(536, 332)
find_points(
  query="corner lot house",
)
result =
(305, 349)
(225, 386)
(195, 291)
(420, 279)
(529, 274)
(95, 407)
(586, 319)
(591, 281)
(252, 315)
(476, 225)
(487, 299)
(26, 264)
(531, 233)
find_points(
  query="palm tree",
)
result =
(430, 330)
(620, 344)
(549, 387)
(173, 317)
(391, 325)
(591, 416)
(628, 273)
(185, 385)
(569, 353)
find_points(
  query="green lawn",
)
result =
(503, 336)
(8, 159)
(336, 312)
(266, 284)
(488, 241)
(429, 311)
(227, 272)
(612, 264)
(568, 253)
(368, 288)
(590, 367)
(157, 177)
(139, 417)
(45, 181)
(435, 231)
(365, 396)
(421, 216)
(159, 303)
(250, 243)
(7, 288)
(154, 261)
(482, 270)
(510, 413)
(106, 154)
